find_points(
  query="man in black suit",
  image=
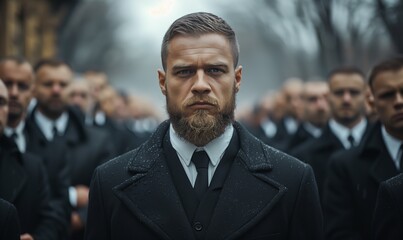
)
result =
(263, 125)
(17, 75)
(24, 183)
(346, 127)
(354, 176)
(316, 113)
(233, 187)
(52, 123)
(9, 223)
(387, 223)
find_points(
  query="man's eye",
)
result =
(354, 92)
(214, 70)
(184, 72)
(23, 86)
(387, 95)
(338, 93)
(3, 101)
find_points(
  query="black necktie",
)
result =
(201, 160)
(14, 136)
(351, 140)
(55, 131)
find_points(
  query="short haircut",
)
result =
(391, 64)
(17, 59)
(50, 62)
(196, 24)
(346, 70)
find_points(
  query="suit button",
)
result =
(197, 226)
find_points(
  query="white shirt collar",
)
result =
(269, 128)
(393, 146)
(313, 130)
(342, 132)
(19, 130)
(291, 125)
(214, 149)
(46, 124)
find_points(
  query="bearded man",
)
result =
(201, 175)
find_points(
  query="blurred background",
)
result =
(279, 39)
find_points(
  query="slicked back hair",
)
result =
(391, 64)
(346, 70)
(196, 24)
(17, 59)
(50, 62)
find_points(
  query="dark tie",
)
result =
(201, 160)
(55, 131)
(351, 140)
(14, 136)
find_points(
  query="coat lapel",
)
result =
(242, 204)
(12, 174)
(383, 167)
(150, 193)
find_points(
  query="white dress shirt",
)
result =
(20, 137)
(214, 149)
(342, 132)
(314, 131)
(291, 125)
(46, 124)
(393, 146)
(269, 128)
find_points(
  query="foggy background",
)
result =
(278, 39)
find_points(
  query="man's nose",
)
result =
(13, 90)
(201, 85)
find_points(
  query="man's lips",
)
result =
(201, 105)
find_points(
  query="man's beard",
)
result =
(202, 126)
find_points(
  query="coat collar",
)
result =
(151, 195)
(12, 173)
(373, 149)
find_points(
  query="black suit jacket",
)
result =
(279, 140)
(9, 223)
(24, 182)
(388, 216)
(266, 195)
(316, 152)
(301, 136)
(82, 148)
(352, 185)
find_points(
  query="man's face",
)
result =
(387, 89)
(50, 84)
(78, 94)
(18, 78)
(200, 84)
(317, 109)
(293, 97)
(347, 98)
(3, 107)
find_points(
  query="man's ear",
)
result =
(162, 81)
(238, 78)
(370, 100)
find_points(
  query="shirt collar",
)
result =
(393, 146)
(313, 130)
(214, 149)
(342, 132)
(46, 124)
(18, 130)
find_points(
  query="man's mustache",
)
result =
(198, 99)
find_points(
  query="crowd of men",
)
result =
(51, 146)
(56, 130)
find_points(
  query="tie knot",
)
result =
(14, 135)
(351, 140)
(54, 130)
(200, 159)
